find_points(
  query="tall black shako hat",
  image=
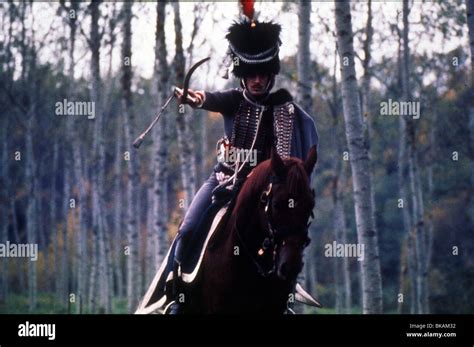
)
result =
(254, 46)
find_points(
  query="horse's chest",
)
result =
(233, 286)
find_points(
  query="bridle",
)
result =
(271, 242)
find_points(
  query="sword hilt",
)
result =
(189, 99)
(138, 141)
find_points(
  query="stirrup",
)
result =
(168, 307)
(172, 309)
(174, 306)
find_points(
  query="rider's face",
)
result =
(257, 85)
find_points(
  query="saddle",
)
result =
(212, 220)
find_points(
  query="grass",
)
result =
(329, 310)
(47, 303)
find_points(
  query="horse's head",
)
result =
(285, 207)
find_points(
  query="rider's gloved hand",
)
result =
(195, 98)
(221, 177)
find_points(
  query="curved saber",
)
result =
(188, 78)
(138, 141)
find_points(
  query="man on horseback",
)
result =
(256, 121)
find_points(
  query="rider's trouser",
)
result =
(201, 201)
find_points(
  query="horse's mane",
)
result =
(258, 180)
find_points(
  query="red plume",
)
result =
(247, 8)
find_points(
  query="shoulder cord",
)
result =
(233, 178)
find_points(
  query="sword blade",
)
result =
(187, 78)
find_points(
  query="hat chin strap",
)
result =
(268, 87)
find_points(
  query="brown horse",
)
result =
(251, 263)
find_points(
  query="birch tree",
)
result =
(305, 99)
(186, 157)
(303, 56)
(53, 217)
(160, 149)
(30, 210)
(341, 265)
(4, 196)
(118, 212)
(28, 80)
(98, 181)
(199, 131)
(70, 13)
(65, 211)
(414, 177)
(360, 164)
(366, 63)
(402, 174)
(470, 24)
(133, 182)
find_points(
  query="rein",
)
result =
(270, 243)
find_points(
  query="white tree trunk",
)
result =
(407, 225)
(160, 214)
(79, 182)
(341, 265)
(28, 75)
(152, 237)
(4, 197)
(186, 157)
(98, 179)
(414, 176)
(470, 24)
(133, 269)
(66, 195)
(118, 212)
(81, 240)
(54, 222)
(304, 57)
(30, 212)
(342, 274)
(403, 195)
(304, 96)
(366, 79)
(16, 233)
(93, 275)
(367, 71)
(430, 227)
(360, 164)
(402, 275)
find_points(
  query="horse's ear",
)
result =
(277, 164)
(311, 160)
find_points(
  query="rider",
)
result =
(255, 120)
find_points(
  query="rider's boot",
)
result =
(175, 306)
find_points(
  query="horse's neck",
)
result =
(245, 223)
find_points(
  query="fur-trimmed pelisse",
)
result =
(254, 48)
